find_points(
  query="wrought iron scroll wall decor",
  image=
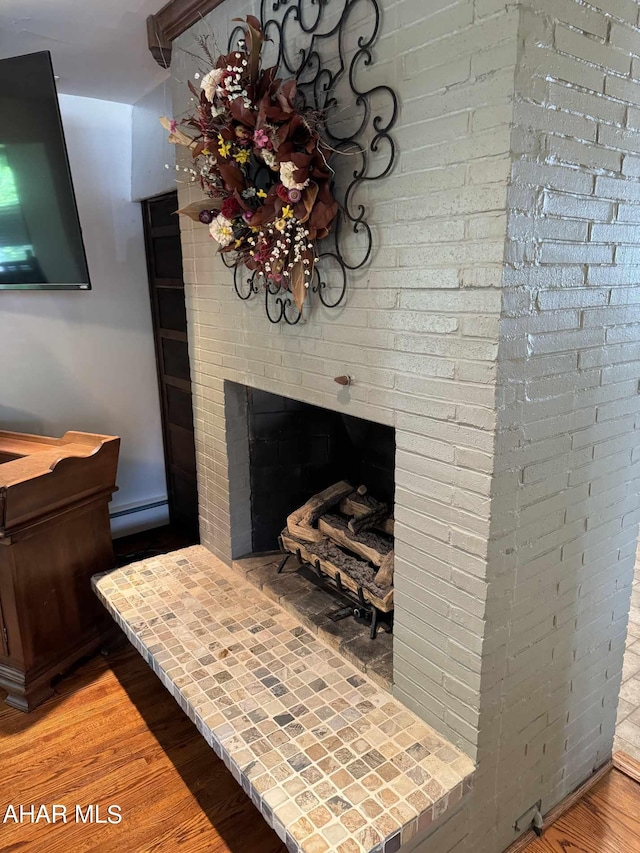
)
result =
(298, 30)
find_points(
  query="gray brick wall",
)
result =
(564, 503)
(561, 558)
(418, 333)
(497, 328)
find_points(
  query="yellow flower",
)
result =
(239, 243)
(280, 224)
(287, 212)
(261, 194)
(243, 156)
(224, 149)
(206, 151)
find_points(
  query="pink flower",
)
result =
(261, 139)
(247, 215)
(174, 125)
(294, 195)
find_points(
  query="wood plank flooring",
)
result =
(605, 820)
(113, 735)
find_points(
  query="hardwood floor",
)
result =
(114, 736)
(149, 543)
(606, 820)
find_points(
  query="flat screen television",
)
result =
(41, 244)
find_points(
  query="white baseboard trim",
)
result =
(136, 517)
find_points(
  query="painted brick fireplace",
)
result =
(497, 329)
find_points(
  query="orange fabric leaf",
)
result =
(196, 207)
(298, 290)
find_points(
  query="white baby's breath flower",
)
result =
(221, 230)
(210, 82)
(286, 176)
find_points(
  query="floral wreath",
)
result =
(259, 157)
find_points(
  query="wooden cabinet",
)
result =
(54, 534)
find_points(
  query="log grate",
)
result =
(343, 539)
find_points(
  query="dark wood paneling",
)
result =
(175, 357)
(180, 408)
(167, 255)
(186, 494)
(172, 312)
(182, 453)
(162, 211)
(166, 288)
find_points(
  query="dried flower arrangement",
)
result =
(260, 158)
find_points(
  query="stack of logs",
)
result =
(349, 535)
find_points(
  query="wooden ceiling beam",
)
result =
(171, 21)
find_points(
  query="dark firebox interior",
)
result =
(297, 449)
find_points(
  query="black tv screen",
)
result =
(40, 237)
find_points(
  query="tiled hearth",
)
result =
(331, 760)
(314, 607)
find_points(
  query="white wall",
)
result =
(85, 361)
(150, 151)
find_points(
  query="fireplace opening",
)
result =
(321, 501)
(322, 491)
(296, 450)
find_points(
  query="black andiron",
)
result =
(299, 30)
(354, 604)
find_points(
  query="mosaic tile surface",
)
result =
(313, 607)
(332, 762)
